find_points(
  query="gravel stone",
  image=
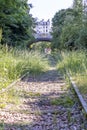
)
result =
(36, 112)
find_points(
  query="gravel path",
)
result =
(46, 103)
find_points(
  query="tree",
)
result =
(80, 6)
(69, 27)
(78, 9)
(15, 21)
(60, 20)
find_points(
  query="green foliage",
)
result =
(61, 22)
(15, 22)
(82, 40)
(40, 46)
(74, 62)
(78, 6)
(65, 101)
(81, 80)
(69, 35)
(15, 63)
(2, 125)
(69, 27)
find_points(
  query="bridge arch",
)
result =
(42, 37)
(40, 44)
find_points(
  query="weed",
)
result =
(65, 101)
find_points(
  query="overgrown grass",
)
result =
(14, 63)
(75, 63)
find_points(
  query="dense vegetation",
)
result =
(70, 27)
(15, 22)
(75, 63)
(69, 30)
(15, 63)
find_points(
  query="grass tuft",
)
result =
(65, 101)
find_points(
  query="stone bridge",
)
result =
(43, 37)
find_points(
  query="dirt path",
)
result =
(45, 103)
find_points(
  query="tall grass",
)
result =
(75, 62)
(14, 63)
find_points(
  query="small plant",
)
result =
(69, 115)
(65, 101)
(2, 125)
(2, 105)
(32, 94)
(11, 97)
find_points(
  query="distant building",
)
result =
(43, 27)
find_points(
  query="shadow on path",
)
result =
(46, 104)
(49, 76)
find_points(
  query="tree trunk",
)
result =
(0, 34)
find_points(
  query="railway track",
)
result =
(45, 102)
